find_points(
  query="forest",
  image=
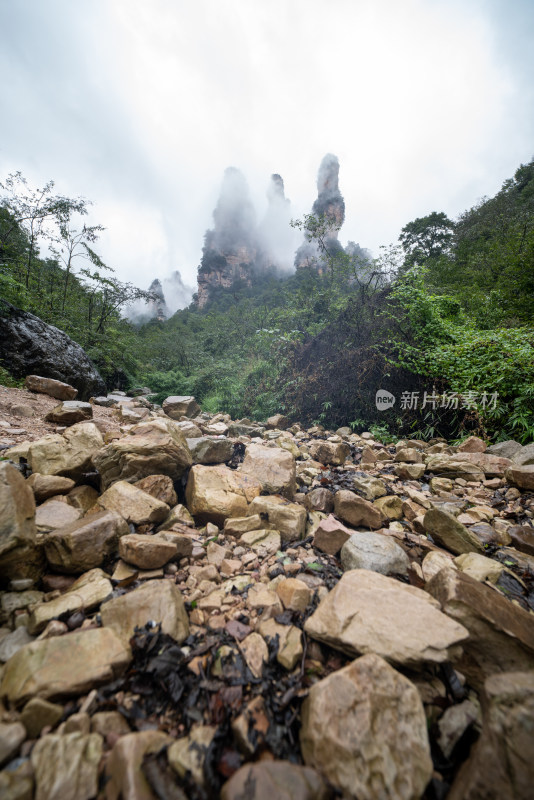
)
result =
(442, 320)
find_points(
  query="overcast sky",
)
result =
(139, 105)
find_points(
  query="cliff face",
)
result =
(237, 249)
(230, 249)
(330, 205)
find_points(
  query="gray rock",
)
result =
(504, 449)
(451, 534)
(525, 456)
(374, 552)
(13, 642)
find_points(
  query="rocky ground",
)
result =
(198, 608)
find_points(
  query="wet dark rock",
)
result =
(29, 345)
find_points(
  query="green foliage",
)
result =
(6, 379)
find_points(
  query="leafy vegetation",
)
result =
(443, 320)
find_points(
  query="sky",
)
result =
(140, 105)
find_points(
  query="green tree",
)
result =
(426, 238)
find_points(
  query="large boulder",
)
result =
(157, 447)
(364, 728)
(216, 493)
(369, 613)
(134, 504)
(211, 449)
(501, 635)
(30, 346)
(51, 387)
(274, 468)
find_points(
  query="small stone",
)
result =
(290, 649)
(45, 486)
(281, 515)
(181, 406)
(356, 511)
(294, 594)
(255, 652)
(266, 780)
(390, 506)
(13, 642)
(86, 543)
(410, 472)
(239, 525)
(85, 594)
(67, 766)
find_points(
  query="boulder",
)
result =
(451, 534)
(504, 449)
(522, 476)
(481, 568)
(157, 447)
(70, 454)
(279, 514)
(85, 544)
(294, 594)
(51, 387)
(157, 600)
(64, 666)
(211, 449)
(374, 552)
(132, 503)
(70, 412)
(525, 456)
(493, 466)
(364, 728)
(473, 444)
(332, 453)
(500, 763)
(522, 538)
(66, 766)
(38, 713)
(272, 467)
(369, 613)
(277, 422)
(356, 511)
(214, 494)
(370, 488)
(501, 635)
(445, 466)
(266, 780)
(12, 734)
(30, 346)
(17, 510)
(390, 506)
(409, 472)
(180, 406)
